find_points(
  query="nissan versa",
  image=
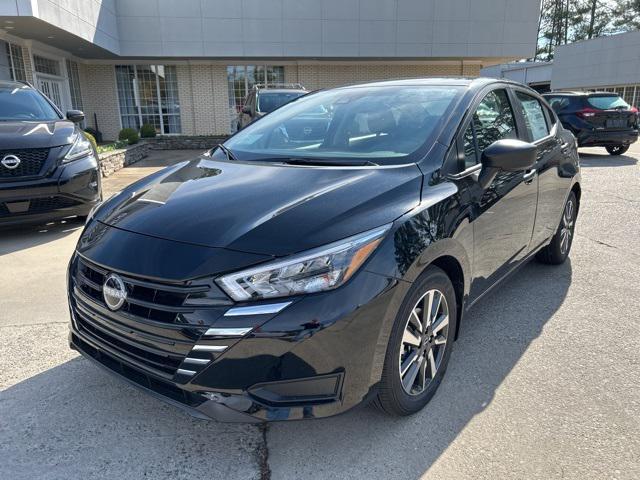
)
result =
(48, 169)
(285, 276)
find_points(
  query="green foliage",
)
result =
(147, 131)
(130, 135)
(92, 139)
(109, 147)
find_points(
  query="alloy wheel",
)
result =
(566, 227)
(424, 341)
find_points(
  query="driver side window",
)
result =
(493, 120)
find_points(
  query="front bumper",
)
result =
(319, 356)
(71, 189)
(604, 138)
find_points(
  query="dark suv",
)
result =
(597, 119)
(48, 168)
(265, 99)
(282, 277)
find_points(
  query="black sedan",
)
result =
(282, 277)
(48, 169)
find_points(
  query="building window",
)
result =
(242, 78)
(74, 85)
(149, 94)
(14, 62)
(46, 65)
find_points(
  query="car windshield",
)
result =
(269, 101)
(24, 103)
(383, 124)
(607, 102)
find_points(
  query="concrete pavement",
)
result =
(543, 383)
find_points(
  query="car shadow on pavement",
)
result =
(75, 421)
(605, 160)
(365, 443)
(14, 239)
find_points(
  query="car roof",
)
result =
(577, 94)
(12, 84)
(281, 90)
(471, 82)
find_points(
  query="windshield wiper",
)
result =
(227, 152)
(329, 163)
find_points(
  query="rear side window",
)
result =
(608, 102)
(493, 120)
(533, 116)
(558, 103)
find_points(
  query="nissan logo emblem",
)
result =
(11, 162)
(114, 291)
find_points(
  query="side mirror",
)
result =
(508, 155)
(76, 116)
(246, 110)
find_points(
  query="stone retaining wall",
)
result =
(180, 142)
(113, 161)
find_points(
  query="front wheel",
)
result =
(617, 149)
(558, 250)
(420, 345)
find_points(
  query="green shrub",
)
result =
(92, 139)
(110, 147)
(130, 135)
(147, 131)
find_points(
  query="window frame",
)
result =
(543, 107)
(464, 124)
(551, 114)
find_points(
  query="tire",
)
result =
(399, 398)
(558, 250)
(617, 149)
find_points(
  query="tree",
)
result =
(626, 15)
(567, 21)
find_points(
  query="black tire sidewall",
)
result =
(622, 151)
(405, 404)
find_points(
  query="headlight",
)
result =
(320, 269)
(81, 148)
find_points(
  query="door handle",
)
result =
(528, 176)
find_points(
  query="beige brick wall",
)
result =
(318, 76)
(204, 99)
(99, 96)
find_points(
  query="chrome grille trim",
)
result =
(209, 348)
(228, 332)
(257, 309)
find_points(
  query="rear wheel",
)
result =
(420, 345)
(617, 149)
(558, 250)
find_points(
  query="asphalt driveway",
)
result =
(543, 383)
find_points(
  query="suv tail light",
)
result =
(587, 113)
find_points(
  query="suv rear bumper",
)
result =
(72, 189)
(604, 138)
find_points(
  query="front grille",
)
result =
(39, 205)
(32, 161)
(149, 331)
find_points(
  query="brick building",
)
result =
(185, 66)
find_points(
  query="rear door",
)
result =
(541, 129)
(607, 111)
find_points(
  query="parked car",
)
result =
(265, 99)
(276, 280)
(48, 168)
(597, 119)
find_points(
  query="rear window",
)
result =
(558, 103)
(268, 102)
(608, 102)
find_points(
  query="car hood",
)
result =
(36, 134)
(262, 208)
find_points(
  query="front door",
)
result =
(505, 211)
(53, 90)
